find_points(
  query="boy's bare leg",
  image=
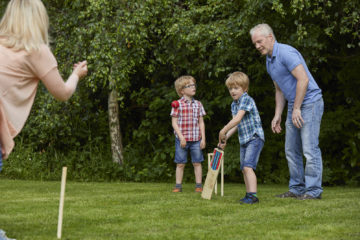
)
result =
(245, 181)
(179, 173)
(198, 172)
(250, 179)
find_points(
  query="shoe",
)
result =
(250, 199)
(308, 197)
(3, 236)
(287, 194)
(246, 195)
(175, 190)
(198, 189)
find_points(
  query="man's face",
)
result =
(264, 44)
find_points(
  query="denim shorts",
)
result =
(181, 154)
(250, 152)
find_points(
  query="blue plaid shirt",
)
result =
(250, 124)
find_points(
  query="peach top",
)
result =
(20, 73)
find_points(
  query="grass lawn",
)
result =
(29, 210)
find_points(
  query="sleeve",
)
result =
(44, 66)
(245, 104)
(41, 62)
(202, 110)
(175, 112)
(233, 109)
(292, 59)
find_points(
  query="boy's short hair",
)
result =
(237, 79)
(182, 81)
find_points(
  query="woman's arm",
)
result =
(64, 90)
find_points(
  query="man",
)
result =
(294, 84)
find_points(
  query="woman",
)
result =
(25, 59)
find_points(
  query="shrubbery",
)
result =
(140, 47)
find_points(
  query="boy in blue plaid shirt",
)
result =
(247, 122)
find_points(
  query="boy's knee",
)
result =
(180, 165)
(196, 164)
(247, 170)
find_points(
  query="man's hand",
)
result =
(275, 124)
(296, 118)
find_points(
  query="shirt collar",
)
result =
(274, 52)
(238, 101)
(185, 100)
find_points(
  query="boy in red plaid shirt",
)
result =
(189, 129)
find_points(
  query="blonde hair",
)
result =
(181, 82)
(237, 79)
(264, 29)
(25, 25)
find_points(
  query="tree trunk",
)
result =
(114, 125)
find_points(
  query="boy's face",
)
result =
(189, 89)
(236, 92)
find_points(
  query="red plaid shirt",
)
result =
(188, 114)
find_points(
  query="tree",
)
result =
(136, 49)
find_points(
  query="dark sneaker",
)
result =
(246, 195)
(250, 199)
(287, 195)
(307, 197)
(175, 190)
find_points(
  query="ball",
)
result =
(175, 104)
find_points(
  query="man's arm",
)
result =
(279, 107)
(302, 83)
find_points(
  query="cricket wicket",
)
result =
(61, 204)
(210, 155)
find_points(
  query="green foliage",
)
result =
(140, 47)
(84, 164)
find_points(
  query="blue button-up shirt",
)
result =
(279, 66)
(250, 124)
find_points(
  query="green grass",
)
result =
(29, 210)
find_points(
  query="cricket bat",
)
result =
(212, 174)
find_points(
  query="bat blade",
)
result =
(212, 174)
